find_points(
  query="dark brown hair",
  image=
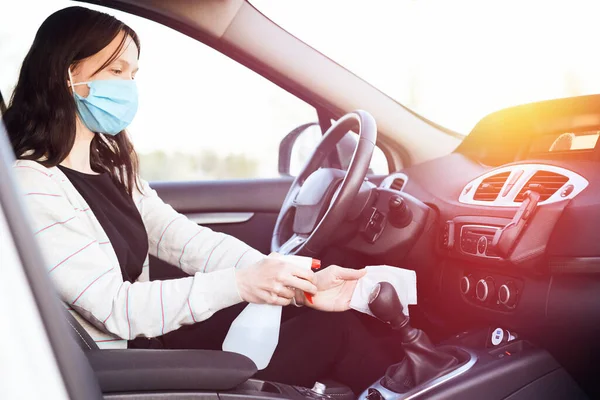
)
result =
(41, 117)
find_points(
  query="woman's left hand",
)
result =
(335, 286)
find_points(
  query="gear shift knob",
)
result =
(385, 304)
(422, 361)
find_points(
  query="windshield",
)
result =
(453, 62)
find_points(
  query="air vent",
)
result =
(505, 186)
(397, 184)
(490, 187)
(546, 183)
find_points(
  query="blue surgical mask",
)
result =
(109, 107)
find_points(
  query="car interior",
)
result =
(500, 227)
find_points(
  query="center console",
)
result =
(498, 365)
(482, 364)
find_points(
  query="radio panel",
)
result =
(476, 240)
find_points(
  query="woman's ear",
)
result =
(73, 73)
(72, 83)
(70, 75)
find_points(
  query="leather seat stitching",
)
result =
(84, 341)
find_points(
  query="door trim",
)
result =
(220, 217)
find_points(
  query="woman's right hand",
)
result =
(273, 280)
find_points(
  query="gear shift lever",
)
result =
(423, 361)
(385, 304)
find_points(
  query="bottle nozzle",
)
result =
(315, 265)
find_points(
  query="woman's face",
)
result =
(125, 66)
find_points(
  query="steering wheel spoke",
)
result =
(292, 244)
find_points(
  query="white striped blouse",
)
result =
(86, 273)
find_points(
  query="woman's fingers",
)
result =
(284, 292)
(302, 273)
(273, 280)
(278, 295)
(348, 274)
(280, 301)
(295, 282)
(274, 299)
(288, 267)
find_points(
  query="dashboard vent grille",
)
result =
(546, 183)
(490, 187)
(397, 184)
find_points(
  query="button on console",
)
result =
(482, 245)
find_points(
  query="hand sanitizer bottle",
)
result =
(255, 331)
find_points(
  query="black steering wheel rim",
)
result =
(312, 243)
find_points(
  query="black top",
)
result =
(119, 217)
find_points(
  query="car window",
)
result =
(379, 163)
(211, 117)
(454, 61)
(201, 116)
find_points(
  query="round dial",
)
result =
(507, 294)
(485, 289)
(465, 285)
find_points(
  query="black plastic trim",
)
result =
(574, 265)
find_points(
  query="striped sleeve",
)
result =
(91, 284)
(193, 248)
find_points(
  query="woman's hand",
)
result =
(273, 280)
(335, 288)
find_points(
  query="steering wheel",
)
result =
(320, 198)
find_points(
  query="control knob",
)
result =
(466, 285)
(507, 294)
(485, 290)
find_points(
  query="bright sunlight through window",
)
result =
(455, 61)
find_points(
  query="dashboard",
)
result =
(545, 282)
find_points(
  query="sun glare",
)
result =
(455, 61)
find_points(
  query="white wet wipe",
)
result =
(403, 280)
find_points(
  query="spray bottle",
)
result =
(255, 331)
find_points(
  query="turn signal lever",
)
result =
(422, 361)
(399, 215)
(506, 238)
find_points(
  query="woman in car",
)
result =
(97, 222)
